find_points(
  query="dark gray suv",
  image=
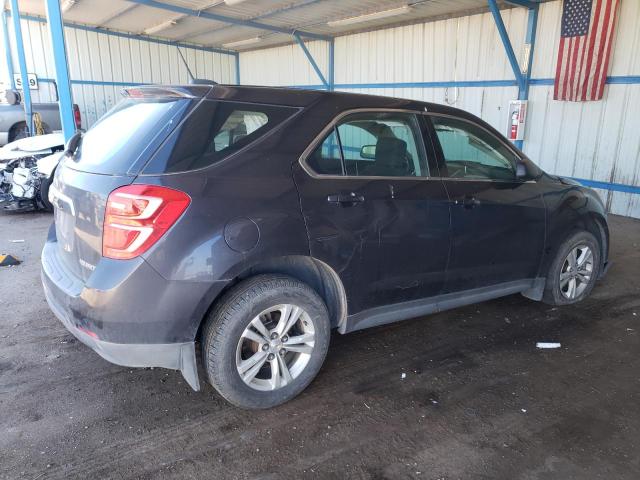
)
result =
(254, 220)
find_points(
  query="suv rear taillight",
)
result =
(77, 117)
(137, 216)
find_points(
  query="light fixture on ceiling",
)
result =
(66, 5)
(233, 2)
(370, 16)
(160, 26)
(240, 43)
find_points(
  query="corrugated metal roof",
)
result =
(290, 15)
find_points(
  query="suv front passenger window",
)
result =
(471, 152)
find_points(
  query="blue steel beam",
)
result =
(277, 11)
(7, 49)
(26, 92)
(332, 80)
(225, 19)
(530, 39)
(523, 3)
(312, 61)
(56, 36)
(504, 36)
(143, 38)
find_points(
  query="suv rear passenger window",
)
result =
(372, 144)
(326, 158)
(215, 130)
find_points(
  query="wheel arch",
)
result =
(575, 214)
(315, 273)
(599, 228)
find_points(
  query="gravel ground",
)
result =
(462, 394)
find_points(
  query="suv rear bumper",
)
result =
(176, 356)
(65, 296)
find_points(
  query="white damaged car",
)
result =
(26, 171)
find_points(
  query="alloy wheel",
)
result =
(275, 347)
(576, 272)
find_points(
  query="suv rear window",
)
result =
(116, 142)
(215, 130)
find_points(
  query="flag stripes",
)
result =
(584, 53)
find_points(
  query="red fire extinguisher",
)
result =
(513, 133)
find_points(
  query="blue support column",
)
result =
(7, 49)
(504, 36)
(312, 61)
(56, 35)
(26, 93)
(532, 26)
(332, 80)
(523, 80)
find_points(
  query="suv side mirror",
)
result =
(521, 170)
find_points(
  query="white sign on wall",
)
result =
(32, 79)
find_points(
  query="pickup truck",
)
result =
(12, 118)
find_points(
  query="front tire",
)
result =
(574, 270)
(265, 341)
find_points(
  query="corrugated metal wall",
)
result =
(101, 64)
(594, 140)
(283, 66)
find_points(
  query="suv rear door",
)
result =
(373, 212)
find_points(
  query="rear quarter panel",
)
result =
(244, 211)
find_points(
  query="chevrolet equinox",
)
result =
(255, 220)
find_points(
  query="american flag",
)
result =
(585, 47)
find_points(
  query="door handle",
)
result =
(468, 201)
(345, 199)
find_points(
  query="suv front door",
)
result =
(373, 212)
(498, 219)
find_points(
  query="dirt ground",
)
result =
(462, 394)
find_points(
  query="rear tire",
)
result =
(44, 193)
(265, 341)
(18, 131)
(574, 271)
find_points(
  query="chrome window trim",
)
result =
(510, 147)
(331, 125)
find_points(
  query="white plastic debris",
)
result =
(403, 376)
(523, 410)
(548, 345)
(17, 241)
